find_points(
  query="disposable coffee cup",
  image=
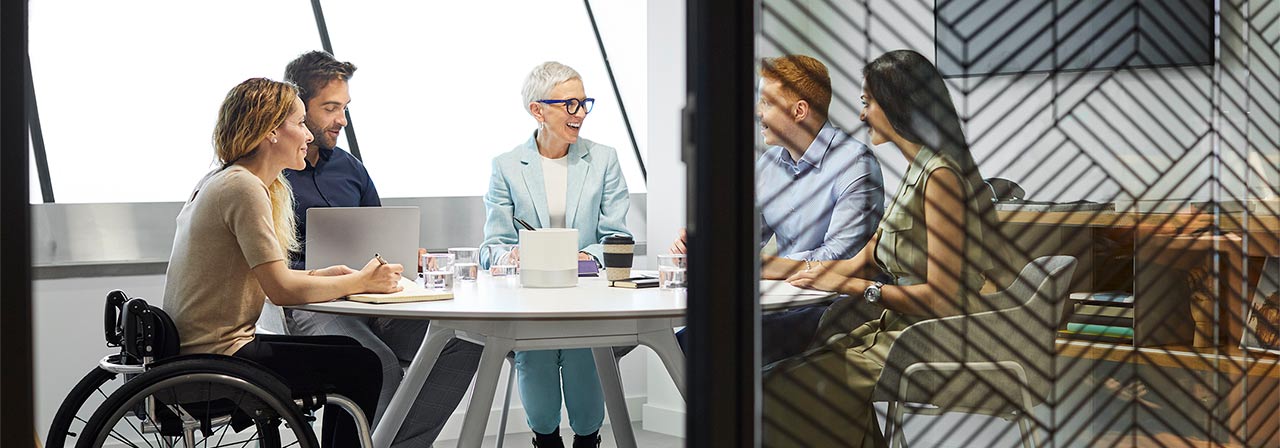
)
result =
(619, 251)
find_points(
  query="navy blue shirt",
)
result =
(337, 179)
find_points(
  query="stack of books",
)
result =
(1101, 316)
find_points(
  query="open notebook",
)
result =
(412, 292)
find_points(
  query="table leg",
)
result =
(663, 342)
(491, 359)
(614, 399)
(412, 383)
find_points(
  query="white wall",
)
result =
(664, 411)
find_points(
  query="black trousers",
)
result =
(783, 334)
(333, 364)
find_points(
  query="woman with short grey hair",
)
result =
(556, 179)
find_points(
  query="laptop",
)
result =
(352, 235)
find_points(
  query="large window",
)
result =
(437, 91)
(129, 91)
(34, 179)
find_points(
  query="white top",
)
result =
(555, 172)
(502, 298)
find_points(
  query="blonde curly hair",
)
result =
(249, 113)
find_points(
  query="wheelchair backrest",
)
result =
(142, 331)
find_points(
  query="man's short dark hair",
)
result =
(312, 71)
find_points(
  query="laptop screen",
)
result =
(352, 235)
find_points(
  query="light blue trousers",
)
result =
(541, 372)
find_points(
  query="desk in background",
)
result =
(1149, 254)
(1217, 393)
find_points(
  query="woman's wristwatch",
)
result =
(872, 293)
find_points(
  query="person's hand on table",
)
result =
(583, 256)
(678, 247)
(381, 278)
(513, 257)
(816, 276)
(334, 270)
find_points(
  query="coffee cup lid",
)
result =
(617, 239)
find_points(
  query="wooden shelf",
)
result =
(1230, 360)
(1162, 222)
(1175, 222)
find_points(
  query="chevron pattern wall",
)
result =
(1141, 138)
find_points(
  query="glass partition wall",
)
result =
(1140, 139)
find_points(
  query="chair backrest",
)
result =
(111, 317)
(273, 319)
(147, 332)
(1004, 189)
(1022, 327)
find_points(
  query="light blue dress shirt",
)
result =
(825, 206)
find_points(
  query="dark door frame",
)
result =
(724, 319)
(17, 425)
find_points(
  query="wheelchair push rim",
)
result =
(165, 409)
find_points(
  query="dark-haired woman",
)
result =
(937, 240)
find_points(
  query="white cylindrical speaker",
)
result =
(549, 258)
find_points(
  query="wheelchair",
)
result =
(167, 400)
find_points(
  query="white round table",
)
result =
(502, 316)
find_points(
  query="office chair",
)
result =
(1002, 364)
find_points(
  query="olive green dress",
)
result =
(824, 397)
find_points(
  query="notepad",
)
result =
(412, 292)
(635, 282)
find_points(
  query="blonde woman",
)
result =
(229, 255)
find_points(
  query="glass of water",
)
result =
(671, 271)
(466, 262)
(438, 272)
(504, 259)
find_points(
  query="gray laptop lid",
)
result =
(352, 235)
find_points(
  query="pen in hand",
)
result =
(381, 261)
(522, 223)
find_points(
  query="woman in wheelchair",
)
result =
(230, 254)
(937, 240)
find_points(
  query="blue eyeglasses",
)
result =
(572, 105)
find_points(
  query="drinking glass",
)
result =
(437, 272)
(671, 271)
(466, 262)
(504, 259)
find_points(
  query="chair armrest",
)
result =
(1024, 392)
(969, 366)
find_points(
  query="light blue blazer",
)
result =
(596, 200)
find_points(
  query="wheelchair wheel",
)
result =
(204, 401)
(73, 414)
